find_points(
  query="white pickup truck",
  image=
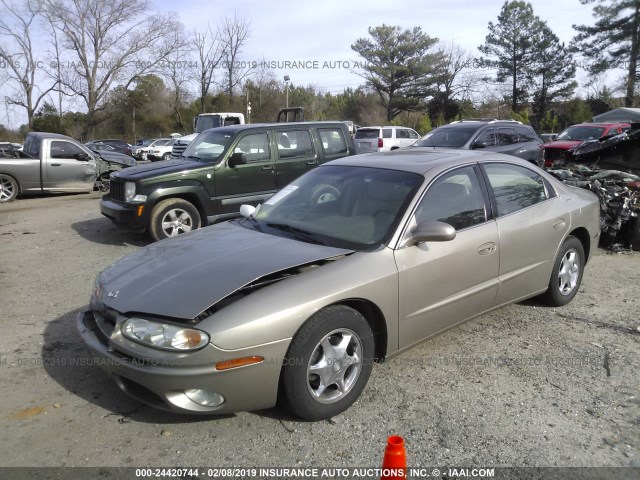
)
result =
(52, 163)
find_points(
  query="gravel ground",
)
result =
(523, 386)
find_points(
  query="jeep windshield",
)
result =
(451, 137)
(208, 146)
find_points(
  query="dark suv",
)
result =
(503, 136)
(119, 146)
(221, 169)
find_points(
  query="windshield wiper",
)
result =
(298, 233)
(192, 156)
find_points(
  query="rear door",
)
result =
(250, 182)
(67, 167)
(295, 154)
(532, 221)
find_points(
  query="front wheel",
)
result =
(328, 364)
(566, 275)
(173, 217)
(8, 188)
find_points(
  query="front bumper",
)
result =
(161, 382)
(124, 214)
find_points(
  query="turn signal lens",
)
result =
(238, 362)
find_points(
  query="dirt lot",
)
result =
(523, 386)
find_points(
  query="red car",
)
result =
(576, 135)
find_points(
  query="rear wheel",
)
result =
(567, 274)
(328, 364)
(173, 217)
(8, 188)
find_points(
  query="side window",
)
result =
(455, 198)
(506, 136)
(332, 141)
(402, 133)
(486, 138)
(413, 134)
(514, 187)
(388, 133)
(255, 146)
(525, 135)
(294, 143)
(63, 149)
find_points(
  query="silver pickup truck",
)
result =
(52, 163)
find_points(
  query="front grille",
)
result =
(553, 154)
(116, 191)
(141, 393)
(178, 149)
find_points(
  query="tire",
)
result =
(166, 156)
(173, 217)
(634, 234)
(324, 193)
(347, 369)
(566, 275)
(8, 188)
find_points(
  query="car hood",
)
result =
(183, 277)
(140, 172)
(562, 144)
(115, 157)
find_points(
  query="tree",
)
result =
(509, 47)
(109, 41)
(233, 34)
(451, 82)
(399, 66)
(614, 39)
(17, 26)
(209, 55)
(552, 72)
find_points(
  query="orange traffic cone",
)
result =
(394, 464)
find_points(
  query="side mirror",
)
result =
(433, 231)
(477, 145)
(247, 211)
(554, 136)
(83, 157)
(236, 159)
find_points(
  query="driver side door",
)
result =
(68, 168)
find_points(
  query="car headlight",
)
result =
(130, 193)
(164, 336)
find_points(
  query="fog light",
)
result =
(204, 398)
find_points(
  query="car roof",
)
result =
(422, 159)
(259, 126)
(600, 124)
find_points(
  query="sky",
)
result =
(318, 35)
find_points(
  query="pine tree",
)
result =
(614, 40)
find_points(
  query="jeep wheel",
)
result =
(173, 217)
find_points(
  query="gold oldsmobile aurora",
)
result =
(355, 261)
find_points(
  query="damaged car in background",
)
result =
(609, 167)
(355, 261)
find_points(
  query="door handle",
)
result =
(312, 162)
(56, 164)
(487, 248)
(559, 223)
(267, 167)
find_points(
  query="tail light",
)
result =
(380, 142)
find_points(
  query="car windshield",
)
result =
(582, 133)
(452, 137)
(339, 206)
(208, 146)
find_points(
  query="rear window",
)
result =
(453, 137)
(364, 133)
